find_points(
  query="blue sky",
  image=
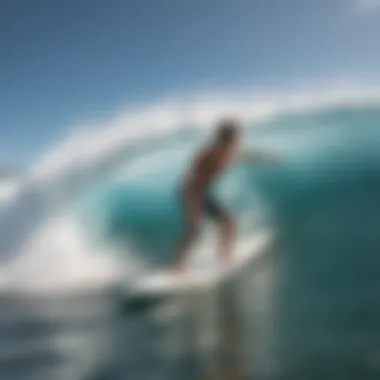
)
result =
(62, 62)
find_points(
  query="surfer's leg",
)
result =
(193, 215)
(227, 227)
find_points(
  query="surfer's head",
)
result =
(228, 131)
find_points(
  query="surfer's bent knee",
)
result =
(229, 222)
(193, 228)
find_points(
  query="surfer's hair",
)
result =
(227, 130)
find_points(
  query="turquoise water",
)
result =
(327, 156)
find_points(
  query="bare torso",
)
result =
(209, 164)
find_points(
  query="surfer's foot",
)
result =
(178, 270)
(226, 260)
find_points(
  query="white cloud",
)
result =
(367, 5)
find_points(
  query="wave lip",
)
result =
(94, 144)
(42, 234)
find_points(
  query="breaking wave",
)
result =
(102, 202)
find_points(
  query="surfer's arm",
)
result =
(259, 157)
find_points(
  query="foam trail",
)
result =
(57, 259)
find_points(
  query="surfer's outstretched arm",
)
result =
(259, 158)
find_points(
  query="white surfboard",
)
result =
(200, 274)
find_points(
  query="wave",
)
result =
(103, 202)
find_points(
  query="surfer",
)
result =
(196, 196)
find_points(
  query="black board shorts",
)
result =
(212, 208)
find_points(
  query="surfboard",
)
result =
(201, 274)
